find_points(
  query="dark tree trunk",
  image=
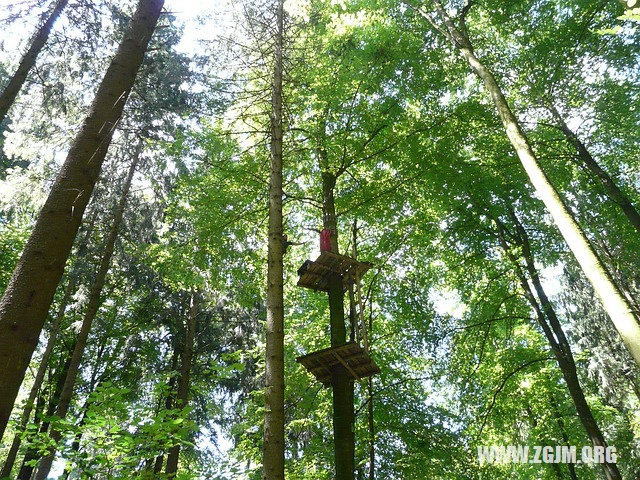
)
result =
(613, 191)
(30, 291)
(342, 384)
(95, 299)
(273, 444)
(38, 41)
(94, 384)
(26, 471)
(37, 382)
(168, 402)
(552, 329)
(182, 396)
(563, 433)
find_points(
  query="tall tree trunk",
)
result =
(44, 360)
(273, 445)
(614, 302)
(552, 329)
(342, 384)
(95, 298)
(10, 92)
(30, 291)
(182, 396)
(613, 191)
(568, 366)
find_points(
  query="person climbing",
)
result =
(304, 267)
(286, 243)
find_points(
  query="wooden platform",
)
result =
(317, 275)
(351, 356)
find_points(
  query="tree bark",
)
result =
(30, 291)
(614, 302)
(182, 396)
(95, 299)
(613, 191)
(343, 389)
(27, 62)
(273, 444)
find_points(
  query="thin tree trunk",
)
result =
(10, 92)
(545, 441)
(343, 390)
(168, 403)
(563, 433)
(94, 384)
(372, 433)
(273, 446)
(614, 302)
(26, 470)
(37, 419)
(44, 360)
(568, 366)
(95, 298)
(182, 396)
(613, 191)
(552, 329)
(27, 298)
(37, 382)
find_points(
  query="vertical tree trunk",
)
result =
(614, 302)
(95, 299)
(613, 191)
(10, 92)
(30, 291)
(44, 360)
(343, 390)
(273, 446)
(182, 397)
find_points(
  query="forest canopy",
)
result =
(319, 239)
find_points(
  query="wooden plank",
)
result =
(345, 364)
